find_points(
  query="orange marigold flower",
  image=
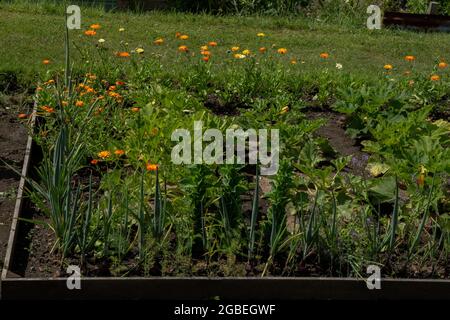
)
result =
(234, 49)
(123, 54)
(152, 167)
(94, 162)
(79, 103)
(205, 58)
(104, 154)
(212, 44)
(262, 49)
(46, 61)
(22, 116)
(112, 88)
(388, 67)
(135, 109)
(178, 34)
(205, 53)
(159, 41)
(90, 33)
(435, 77)
(324, 55)
(119, 152)
(410, 58)
(95, 26)
(183, 49)
(48, 109)
(204, 48)
(282, 50)
(184, 37)
(120, 83)
(442, 65)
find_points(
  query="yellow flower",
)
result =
(388, 67)
(183, 48)
(104, 154)
(282, 50)
(261, 34)
(410, 58)
(239, 56)
(184, 37)
(246, 52)
(284, 110)
(293, 61)
(139, 50)
(204, 48)
(235, 49)
(442, 65)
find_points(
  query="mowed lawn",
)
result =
(30, 34)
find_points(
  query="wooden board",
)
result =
(429, 22)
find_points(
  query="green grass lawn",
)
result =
(31, 33)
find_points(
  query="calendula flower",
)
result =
(22, 116)
(205, 53)
(120, 83)
(135, 109)
(94, 162)
(246, 52)
(48, 109)
(239, 56)
(51, 81)
(410, 58)
(204, 48)
(235, 49)
(79, 103)
(184, 37)
(121, 29)
(262, 49)
(282, 50)
(101, 40)
(205, 58)
(177, 34)
(388, 67)
(212, 44)
(435, 77)
(123, 54)
(139, 50)
(293, 61)
(152, 167)
(338, 66)
(442, 65)
(261, 34)
(104, 154)
(90, 33)
(46, 61)
(119, 152)
(324, 55)
(284, 110)
(95, 26)
(183, 49)
(159, 41)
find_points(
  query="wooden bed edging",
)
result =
(272, 288)
(431, 22)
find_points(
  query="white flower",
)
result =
(101, 40)
(338, 66)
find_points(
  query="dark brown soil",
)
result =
(13, 138)
(334, 132)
